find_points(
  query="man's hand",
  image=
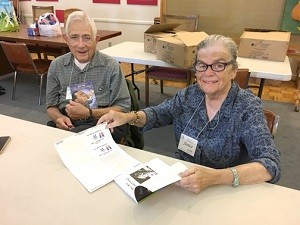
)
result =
(64, 123)
(198, 178)
(76, 110)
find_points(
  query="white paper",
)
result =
(144, 179)
(93, 157)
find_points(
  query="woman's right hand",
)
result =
(114, 119)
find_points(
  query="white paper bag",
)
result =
(49, 25)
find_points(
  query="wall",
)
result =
(132, 20)
(215, 16)
(232, 16)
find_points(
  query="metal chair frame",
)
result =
(21, 61)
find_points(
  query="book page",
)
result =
(93, 157)
(144, 179)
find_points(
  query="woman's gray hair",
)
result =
(81, 16)
(227, 42)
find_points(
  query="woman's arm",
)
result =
(198, 178)
(114, 119)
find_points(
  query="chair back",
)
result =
(133, 137)
(188, 23)
(19, 56)
(67, 12)
(272, 121)
(37, 11)
(242, 78)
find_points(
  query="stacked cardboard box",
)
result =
(157, 31)
(264, 44)
(179, 49)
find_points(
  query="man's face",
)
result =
(81, 41)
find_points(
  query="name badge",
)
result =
(68, 94)
(187, 144)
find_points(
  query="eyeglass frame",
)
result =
(211, 65)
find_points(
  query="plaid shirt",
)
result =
(103, 71)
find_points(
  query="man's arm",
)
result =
(61, 121)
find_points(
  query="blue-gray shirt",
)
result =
(238, 133)
(103, 71)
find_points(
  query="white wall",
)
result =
(132, 20)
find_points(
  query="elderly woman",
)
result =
(216, 124)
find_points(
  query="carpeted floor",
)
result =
(162, 140)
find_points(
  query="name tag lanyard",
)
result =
(68, 93)
(188, 144)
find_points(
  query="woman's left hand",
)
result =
(198, 178)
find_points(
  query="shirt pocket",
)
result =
(102, 93)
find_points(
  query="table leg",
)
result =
(133, 72)
(261, 87)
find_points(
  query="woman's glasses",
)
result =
(217, 67)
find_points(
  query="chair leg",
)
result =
(161, 82)
(41, 85)
(146, 89)
(14, 86)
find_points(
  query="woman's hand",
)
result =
(114, 119)
(198, 178)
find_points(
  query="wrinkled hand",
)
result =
(113, 119)
(64, 123)
(76, 110)
(197, 178)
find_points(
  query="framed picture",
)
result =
(107, 1)
(291, 17)
(142, 2)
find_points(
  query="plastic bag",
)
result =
(49, 25)
(8, 19)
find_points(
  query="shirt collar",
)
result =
(69, 59)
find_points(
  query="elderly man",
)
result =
(89, 71)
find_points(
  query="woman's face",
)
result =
(215, 84)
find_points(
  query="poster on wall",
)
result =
(107, 1)
(291, 17)
(142, 2)
(8, 19)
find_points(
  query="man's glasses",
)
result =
(87, 39)
(217, 67)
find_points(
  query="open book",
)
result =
(144, 179)
(93, 157)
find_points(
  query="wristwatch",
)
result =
(236, 180)
(90, 112)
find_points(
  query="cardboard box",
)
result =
(179, 49)
(264, 44)
(157, 31)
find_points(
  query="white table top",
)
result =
(36, 188)
(133, 52)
